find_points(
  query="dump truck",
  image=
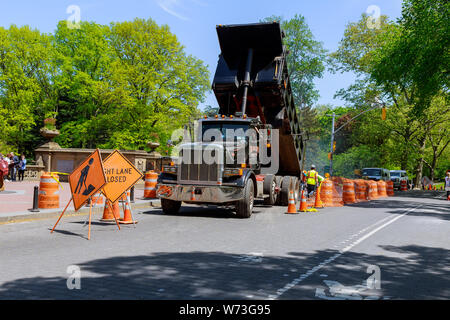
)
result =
(254, 94)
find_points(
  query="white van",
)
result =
(376, 174)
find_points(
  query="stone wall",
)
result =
(51, 157)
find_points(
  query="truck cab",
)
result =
(252, 149)
(397, 176)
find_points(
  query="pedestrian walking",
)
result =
(447, 184)
(22, 167)
(15, 166)
(10, 166)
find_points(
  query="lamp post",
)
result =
(332, 143)
(378, 104)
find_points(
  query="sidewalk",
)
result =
(17, 199)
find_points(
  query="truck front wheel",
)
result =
(244, 207)
(170, 206)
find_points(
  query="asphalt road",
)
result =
(396, 248)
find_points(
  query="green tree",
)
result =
(83, 57)
(122, 84)
(25, 79)
(404, 138)
(163, 84)
(306, 59)
(306, 62)
(417, 59)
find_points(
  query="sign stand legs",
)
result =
(90, 215)
(61, 214)
(112, 209)
(131, 212)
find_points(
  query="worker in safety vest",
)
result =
(312, 179)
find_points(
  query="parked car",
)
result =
(397, 176)
(376, 174)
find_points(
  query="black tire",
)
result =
(244, 207)
(170, 206)
(285, 188)
(269, 186)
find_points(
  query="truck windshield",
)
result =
(371, 172)
(234, 129)
(395, 174)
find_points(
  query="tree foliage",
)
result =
(387, 61)
(110, 86)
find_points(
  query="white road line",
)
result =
(302, 277)
(376, 230)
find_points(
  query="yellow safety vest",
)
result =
(312, 177)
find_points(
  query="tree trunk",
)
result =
(419, 168)
(433, 167)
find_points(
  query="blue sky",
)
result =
(194, 22)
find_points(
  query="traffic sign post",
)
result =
(85, 181)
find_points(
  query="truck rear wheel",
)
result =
(244, 207)
(296, 185)
(285, 188)
(269, 186)
(170, 206)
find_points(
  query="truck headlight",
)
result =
(170, 169)
(228, 172)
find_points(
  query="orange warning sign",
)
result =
(120, 174)
(87, 179)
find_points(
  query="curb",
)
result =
(55, 213)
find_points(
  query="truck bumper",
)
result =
(199, 194)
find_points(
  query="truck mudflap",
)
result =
(200, 194)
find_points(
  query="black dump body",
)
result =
(269, 93)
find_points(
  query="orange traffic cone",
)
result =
(193, 194)
(303, 205)
(110, 211)
(318, 203)
(127, 219)
(291, 205)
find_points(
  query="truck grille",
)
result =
(195, 172)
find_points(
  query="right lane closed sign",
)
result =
(120, 174)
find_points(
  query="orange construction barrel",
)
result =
(48, 191)
(372, 189)
(329, 195)
(390, 188)
(403, 185)
(348, 193)
(151, 179)
(361, 190)
(381, 186)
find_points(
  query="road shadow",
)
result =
(68, 233)
(421, 194)
(435, 209)
(205, 211)
(409, 272)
